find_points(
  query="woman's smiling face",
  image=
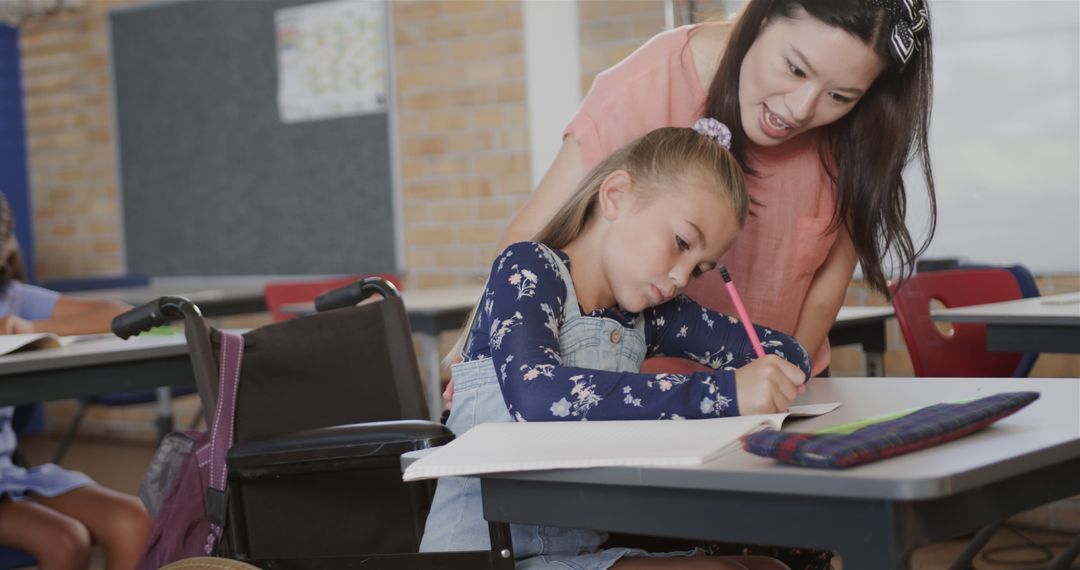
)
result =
(799, 74)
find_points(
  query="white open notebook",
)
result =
(529, 446)
(33, 341)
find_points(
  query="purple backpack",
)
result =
(190, 519)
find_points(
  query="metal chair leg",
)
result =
(502, 547)
(69, 433)
(165, 417)
(981, 538)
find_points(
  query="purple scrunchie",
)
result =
(710, 127)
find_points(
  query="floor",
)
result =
(120, 466)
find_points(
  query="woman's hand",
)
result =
(768, 385)
(10, 324)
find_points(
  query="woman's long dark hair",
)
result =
(865, 152)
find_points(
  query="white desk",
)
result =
(1038, 324)
(875, 515)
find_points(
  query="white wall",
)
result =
(553, 76)
(1005, 133)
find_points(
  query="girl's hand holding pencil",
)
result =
(768, 385)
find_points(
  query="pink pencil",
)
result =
(741, 310)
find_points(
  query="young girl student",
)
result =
(566, 320)
(53, 513)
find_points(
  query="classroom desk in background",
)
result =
(431, 312)
(216, 296)
(874, 515)
(864, 326)
(97, 366)
(436, 310)
(1037, 324)
(440, 309)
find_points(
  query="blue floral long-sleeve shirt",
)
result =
(518, 327)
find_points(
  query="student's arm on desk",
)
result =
(764, 385)
(70, 317)
(826, 295)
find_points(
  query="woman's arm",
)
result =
(554, 190)
(826, 294)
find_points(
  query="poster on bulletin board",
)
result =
(331, 60)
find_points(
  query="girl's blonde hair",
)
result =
(656, 163)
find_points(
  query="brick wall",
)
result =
(611, 30)
(69, 123)
(463, 133)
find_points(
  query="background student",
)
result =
(53, 513)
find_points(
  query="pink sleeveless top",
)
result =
(785, 240)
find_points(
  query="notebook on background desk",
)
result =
(10, 343)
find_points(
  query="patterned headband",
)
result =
(712, 128)
(909, 18)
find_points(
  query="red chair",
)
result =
(963, 353)
(286, 292)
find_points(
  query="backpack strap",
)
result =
(221, 433)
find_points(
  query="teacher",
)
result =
(827, 101)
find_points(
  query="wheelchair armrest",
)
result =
(351, 446)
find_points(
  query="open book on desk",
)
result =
(10, 343)
(531, 446)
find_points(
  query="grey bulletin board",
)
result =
(212, 181)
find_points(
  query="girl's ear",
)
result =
(615, 194)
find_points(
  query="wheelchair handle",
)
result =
(353, 293)
(160, 311)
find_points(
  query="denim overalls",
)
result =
(456, 521)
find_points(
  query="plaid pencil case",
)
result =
(887, 436)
